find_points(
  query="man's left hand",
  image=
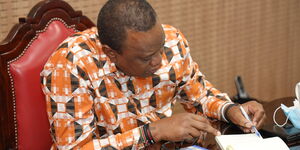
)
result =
(255, 111)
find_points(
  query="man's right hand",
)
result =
(179, 127)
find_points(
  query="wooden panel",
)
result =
(13, 48)
(256, 39)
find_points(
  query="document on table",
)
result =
(249, 142)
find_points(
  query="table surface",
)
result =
(225, 128)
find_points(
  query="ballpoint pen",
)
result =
(248, 118)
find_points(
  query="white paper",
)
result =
(249, 142)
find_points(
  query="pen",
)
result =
(248, 118)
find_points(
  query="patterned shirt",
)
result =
(93, 105)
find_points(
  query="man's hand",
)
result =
(179, 127)
(255, 111)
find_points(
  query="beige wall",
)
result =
(257, 39)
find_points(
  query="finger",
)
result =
(261, 122)
(189, 139)
(204, 126)
(245, 130)
(202, 137)
(255, 110)
(242, 121)
(194, 132)
(236, 116)
(258, 114)
(200, 118)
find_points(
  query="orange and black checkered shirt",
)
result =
(92, 105)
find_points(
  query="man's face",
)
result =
(141, 52)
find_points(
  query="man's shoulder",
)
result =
(168, 27)
(90, 32)
(79, 45)
(172, 33)
(87, 35)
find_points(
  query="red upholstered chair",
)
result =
(24, 123)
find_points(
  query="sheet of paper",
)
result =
(249, 142)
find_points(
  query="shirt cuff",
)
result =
(223, 111)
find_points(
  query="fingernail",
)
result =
(218, 133)
(248, 125)
(254, 123)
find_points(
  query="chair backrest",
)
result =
(24, 123)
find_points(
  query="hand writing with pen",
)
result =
(249, 116)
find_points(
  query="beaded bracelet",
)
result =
(147, 135)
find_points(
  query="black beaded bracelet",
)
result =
(148, 135)
(226, 110)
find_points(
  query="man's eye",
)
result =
(146, 59)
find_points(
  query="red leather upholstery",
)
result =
(23, 119)
(32, 121)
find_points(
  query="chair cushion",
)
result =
(33, 125)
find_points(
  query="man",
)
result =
(114, 86)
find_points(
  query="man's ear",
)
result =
(112, 54)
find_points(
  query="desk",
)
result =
(271, 106)
(280, 116)
(225, 128)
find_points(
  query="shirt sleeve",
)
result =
(196, 93)
(71, 109)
